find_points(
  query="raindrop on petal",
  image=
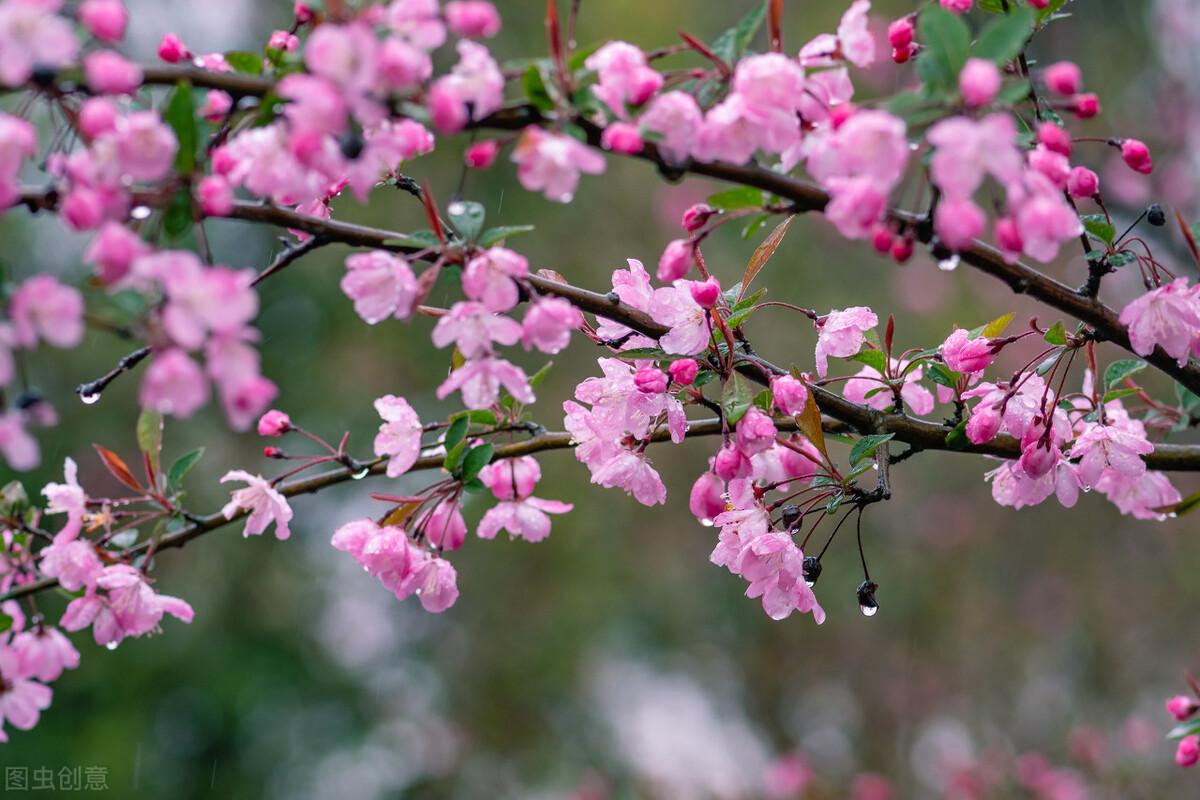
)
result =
(140, 212)
(949, 264)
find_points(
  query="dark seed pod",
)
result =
(43, 76)
(812, 570)
(1156, 216)
(352, 145)
(866, 598)
(790, 516)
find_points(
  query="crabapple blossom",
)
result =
(979, 82)
(31, 35)
(1188, 751)
(790, 395)
(675, 306)
(548, 324)
(853, 41)
(104, 19)
(172, 49)
(45, 652)
(381, 284)
(677, 118)
(521, 514)
(625, 77)
(274, 423)
(1083, 182)
(489, 278)
(263, 502)
(472, 328)
(127, 607)
(475, 18)
(1166, 317)
(107, 72)
(17, 446)
(841, 334)
(965, 354)
(399, 436)
(1182, 707)
(480, 381)
(1063, 77)
(42, 309)
(22, 699)
(551, 163)
(683, 371)
(916, 398)
(1137, 156)
(622, 137)
(676, 260)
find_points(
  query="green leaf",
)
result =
(6, 622)
(467, 218)
(872, 358)
(244, 62)
(1056, 335)
(179, 217)
(1184, 506)
(1188, 401)
(182, 466)
(1121, 258)
(867, 445)
(476, 460)
(180, 114)
(947, 41)
(1120, 370)
(539, 376)
(1099, 227)
(941, 374)
(13, 498)
(731, 44)
(957, 439)
(150, 435)
(498, 234)
(1004, 38)
(640, 353)
(1184, 729)
(735, 199)
(996, 326)
(750, 300)
(1051, 10)
(737, 318)
(704, 376)
(764, 400)
(1110, 395)
(456, 432)
(735, 399)
(752, 227)
(535, 89)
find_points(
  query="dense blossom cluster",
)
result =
(347, 97)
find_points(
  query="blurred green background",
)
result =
(613, 659)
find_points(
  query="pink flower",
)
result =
(473, 329)
(525, 519)
(98, 116)
(113, 250)
(841, 334)
(215, 196)
(900, 33)
(958, 221)
(1167, 317)
(622, 137)
(916, 398)
(677, 118)
(19, 449)
(632, 285)
(856, 206)
(108, 72)
(632, 472)
(42, 308)
(1042, 215)
(282, 40)
(853, 42)
(979, 82)
(684, 371)
(552, 162)
(650, 380)
(480, 381)
(145, 146)
(676, 308)
(755, 432)
(1188, 751)
(1111, 452)
(624, 76)
(172, 50)
(790, 395)
(676, 260)
(417, 22)
(444, 526)
(966, 355)
(264, 503)
(45, 653)
(1063, 77)
(489, 278)
(957, 6)
(706, 293)
(104, 19)
(548, 324)
(768, 89)
(1053, 165)
(1182, 707)
(32, 34)
(482, 155)
(1137, 156)
(1083, 182)
(274, 423)
(1142, 498)
(381, 285)
(1086, 105)
(472, 90)
(476, 18)
(1054, 137)
(129, 607)
(67, 498)
(967, 150)
(870, 144)
(707, 499)
(18, 142)
(72, 561)
(21, 699)
(399, 436)
(433, 580)
(200, 301)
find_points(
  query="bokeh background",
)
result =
(613, 659)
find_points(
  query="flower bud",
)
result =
(882, 240)
(1083, 182)
(1008, 236)
(482, 155)
(790, 395)
(215, 196)
(675, 261)
(650, 380)
(1188, 752)
(273, 452)
(1054, 138)
(1181, 707)
(697, 216)
(274, 423)
(1156, 216)
(303, 12)
(706, 293)
(1086, 106)
(172, 50)
(622, 137)
(901, 55)
(473, 18)
(1064, 77)
(97, 116)
(731, 463)
(902, 250)
(1137, 156)
(108, 72)
(684, 371)
(979, 82)
(104, 19)
(900, 33)
(707, 500)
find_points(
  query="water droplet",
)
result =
(1087, 489)
(456, 208)
(111, 646)
(140, 212)
(708, 523)
(949, 264)
(358, 476)
(1172, 515)
(90, 399)
(869, 611)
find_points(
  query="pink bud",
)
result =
(223, 161)
(1055, 138)
(650, 380)
(706, 293)
(303, 12)
(790, 394)
(707, 500)
(1083, 182)
(684, 371)
(1064, 77)
(216, 105)
(957, 222)
(82, 208)
(902, 250)
(1181, 707)
(274, 423)
(1039, 3)
(108, 72)
(104, 19)
(216, 196)
(283, 40)
(979, 82)
(482, 155)
(900, 33)
(97, 116)
(474, 18)
(957, 6)
(840, 113)
(1086, 106)
(1188, 752)
(697, 216)
(1137, 156)
(1008, 236)
(622, 137)
(172, 50)
(731, 463)
(675, 261)
(901, 55)
(882, 240)
(273, 452)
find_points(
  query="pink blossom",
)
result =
(42, 308)
(1086, 105)
(676, 260)
(21, 699)
(677, 118)
(853, 42)
(45, 652)
(482, 155)
(343, 54)
(67, 498)
(552, 162)
(472, 90)
(472, 328)
(730, 463)
(72, 561)
(480, 381)
(32, 34)
(203, 301)
(632, 285)
(98, 116)
(684, 371)
(18, 142)
(1137, 156)
(916, 398)
(790, 394)
(1182, 707)
(104, 19)
(274, 423)
(172, 50)
(399, 436)
(548, 324)
(526, 518)
(967, 150)
(1188, 751)
(870, 144)
(958, 221)
(841, 334)
(1053, 165)
(145, 146)
(966, 355)
(696, 217)
(19, 449)
(1083, 182)
(1167, 317)
(1144, 497)
(417, 22)
(706, 293)
(381, 285)
(433, 580)
(770, 87)
(1054, 137)
(675, 308)
(282, 40)
(113, 251)
(264, 503)
(755, 432)
(957, 6)
(1042, 215)
(707, 499)
(444, 525)
(108, 72)
(476, 18)
(215, 196)
(622, 137)
(1064, 78)
(1110, 451)
(632, 472)
(900, 32)
(216, 105)
(128, 608)
(490, 278)
(856, 206)
(651, 380)
(979, 82)
(173, 384)
(245, 398)
(624, 76)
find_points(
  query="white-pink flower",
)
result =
(480, 381)
(675, 307)
(22, 699)
(381, 285)
(128, 607)
(472, 328)
(489, 278)
(841, 334)
(1166, 317)
(263, 502)
(43, 309)
(399, 436)
(551, 163)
